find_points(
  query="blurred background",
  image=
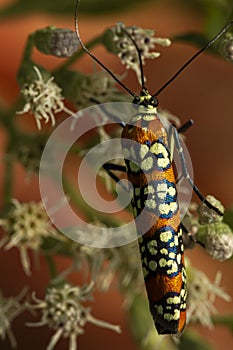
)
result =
(203, 92)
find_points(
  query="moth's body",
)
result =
(155, 194)
(150, 171)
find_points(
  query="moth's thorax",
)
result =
(145, 128)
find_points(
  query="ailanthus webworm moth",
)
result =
(149, 168)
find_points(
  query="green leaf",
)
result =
(103, 6)
(67, 7)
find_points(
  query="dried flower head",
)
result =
(43, 99)
(26, 225)
(10, 308)
(59, 42)
(63, 312)
(201, 296)
(145, 41)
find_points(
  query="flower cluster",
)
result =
(43, 99)
(26, 225)
(201, 295)
(145, 41)
(62, 310)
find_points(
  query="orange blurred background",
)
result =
(203, 92)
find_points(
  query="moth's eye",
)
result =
(153, 101)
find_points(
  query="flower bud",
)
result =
(226, 46)
(207, 215)
(59, 42)
(217, 239)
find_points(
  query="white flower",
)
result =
(43, 99)
(10, 308)
(26, 225)
(201, 296)
(145, 42)
(63, 312)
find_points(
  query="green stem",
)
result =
(2, 110)
(7, 116)
(51, 266)
(8, 178)
(7, 120)
(28, 49)
(79, 53)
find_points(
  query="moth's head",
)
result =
(146, 100)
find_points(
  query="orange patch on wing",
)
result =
(159, 285)
(156, 223)
(182, 321)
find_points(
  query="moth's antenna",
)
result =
(93, 57)
(139, 56)
(193, 58)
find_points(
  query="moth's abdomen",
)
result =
(155, 206)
